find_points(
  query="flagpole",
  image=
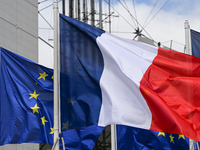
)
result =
(56, 83)
(188, 50)
(113, 126)
(100, 14)
(113, 137)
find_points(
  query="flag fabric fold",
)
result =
(106, 80)
(26, 101)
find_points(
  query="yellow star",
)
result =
(71, 101)
(52, 131)
(181, 136)
(65, 125)
(161, 133)
(34, 95)
(171, 138)
(43, 75)
(35, 109)
(52, 77)
(43, 120)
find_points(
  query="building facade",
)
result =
(19, 34)
(19, 27)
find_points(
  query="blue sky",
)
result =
(167, 25)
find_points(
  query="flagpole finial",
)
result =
(187, 26)
(187, 38)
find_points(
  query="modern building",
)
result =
(19, 27)
(19, 34)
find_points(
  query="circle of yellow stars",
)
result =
(35, 96)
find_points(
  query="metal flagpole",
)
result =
(56, 82)
(197, 145)
(188, 50)
(100, 14)
(109, 16)
(113, 137)
(113, 127)
(92, 12)
(84, 14)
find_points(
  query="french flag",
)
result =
(107, 80)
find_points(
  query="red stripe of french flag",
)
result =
(171, 88)
(150, 88)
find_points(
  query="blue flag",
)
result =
(195, 42)
(140, 139)
(26, 102)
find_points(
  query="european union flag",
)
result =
(26, 101)
(139, 139)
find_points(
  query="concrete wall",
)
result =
(19, 33)
(24, 146)
(19, 27)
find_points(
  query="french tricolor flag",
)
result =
(107, 80)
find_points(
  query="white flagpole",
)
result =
(113, 137)
(188, 50)
(113, 126)
(100, 14)
(56, 82)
